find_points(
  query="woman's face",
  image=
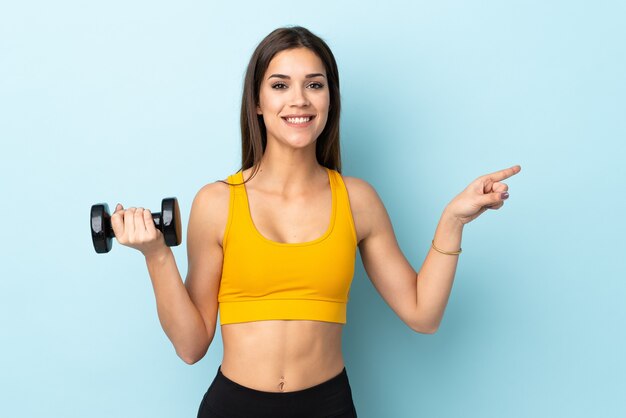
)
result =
(294, 97)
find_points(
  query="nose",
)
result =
(299, 97)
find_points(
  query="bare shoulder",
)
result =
(360, 191)
(364, 203)
(214, 191)
(210, 209)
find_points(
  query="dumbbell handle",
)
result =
(167, 221)
(156, 218)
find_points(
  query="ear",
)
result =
(258, 110)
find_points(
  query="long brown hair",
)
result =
(253, 132)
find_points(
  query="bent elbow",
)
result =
(424, 328)
(192, 357)
(429, 330)
(190, 360)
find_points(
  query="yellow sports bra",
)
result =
(264, 279)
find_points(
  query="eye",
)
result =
(279, 86)
(316, 85)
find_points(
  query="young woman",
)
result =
(273, 247)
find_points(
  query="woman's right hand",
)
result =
(134, 227)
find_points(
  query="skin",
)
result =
(290, 185)
(279, 355)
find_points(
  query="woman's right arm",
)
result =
(188, 312)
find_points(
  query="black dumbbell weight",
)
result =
(168, 222)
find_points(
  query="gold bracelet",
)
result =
(445, 252)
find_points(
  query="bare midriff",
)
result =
(282, 355)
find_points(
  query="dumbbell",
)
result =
(168, 222)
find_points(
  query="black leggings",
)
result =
(228, 399)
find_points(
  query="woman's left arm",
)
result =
(420, 299)
(437, 273)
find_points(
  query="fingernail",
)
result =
(504, 196)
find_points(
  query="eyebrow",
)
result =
(286, 77)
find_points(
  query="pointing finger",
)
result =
(502, 174)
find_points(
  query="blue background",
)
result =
(134, 101)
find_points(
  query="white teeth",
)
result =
(298, 120)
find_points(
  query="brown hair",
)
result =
(253, 133)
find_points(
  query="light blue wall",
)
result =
(134, 101)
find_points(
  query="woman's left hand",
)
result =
(486, 192)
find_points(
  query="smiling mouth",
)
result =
(301, 120)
